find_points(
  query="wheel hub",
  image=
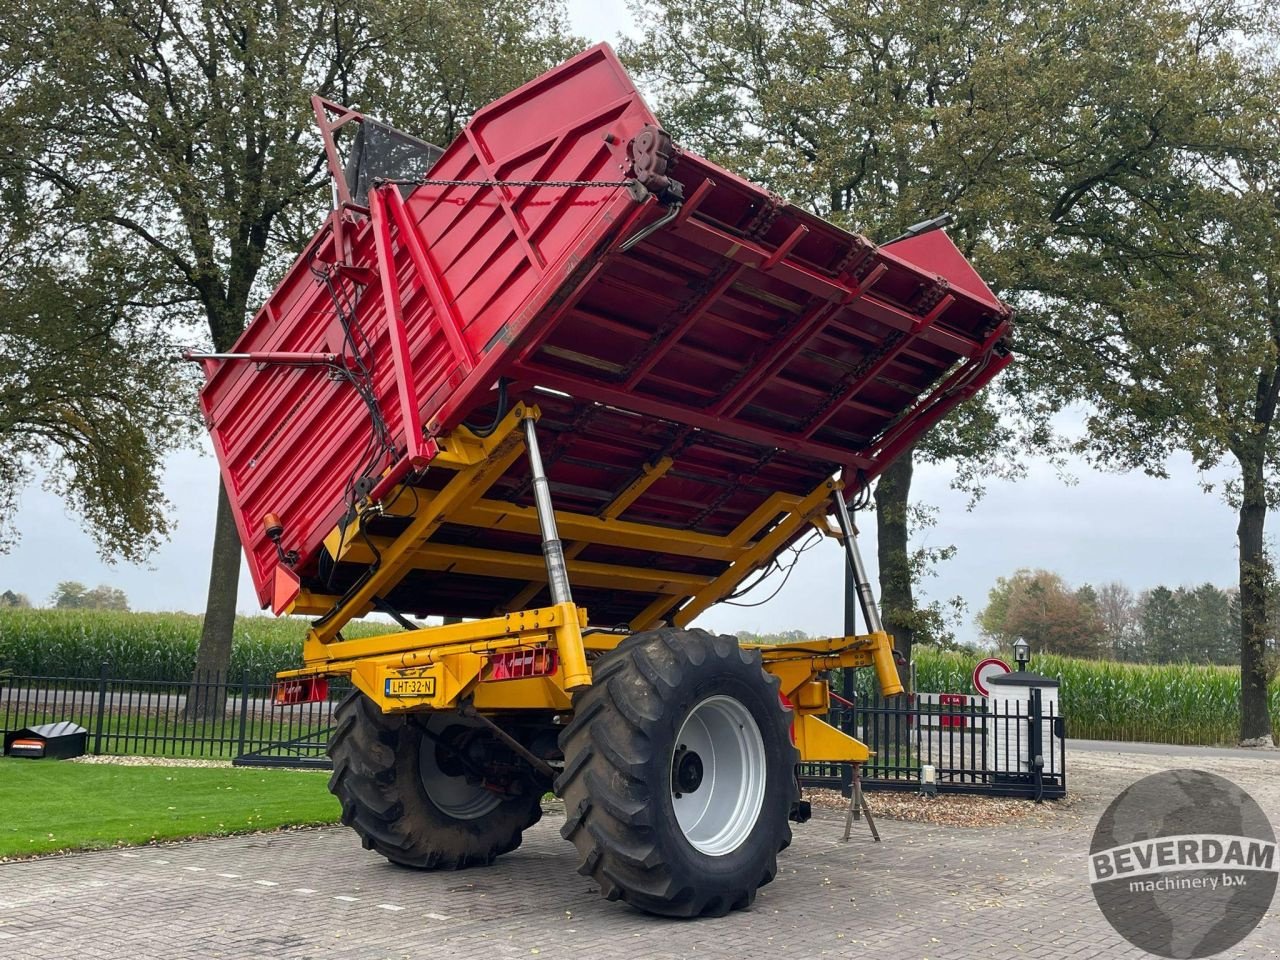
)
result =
(718, 775)
(443, 772)
(686, 771)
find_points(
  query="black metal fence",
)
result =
(1010, 748)
(211, 717)
(972, 746)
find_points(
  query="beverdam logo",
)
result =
(1183, 864)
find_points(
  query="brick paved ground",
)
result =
(991, 893)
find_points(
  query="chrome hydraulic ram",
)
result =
(552, 550)
(866, 599)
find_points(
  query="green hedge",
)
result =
(145, 646)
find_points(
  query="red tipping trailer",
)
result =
(768, 344)
(708, 368)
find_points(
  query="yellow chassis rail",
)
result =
(440, 668)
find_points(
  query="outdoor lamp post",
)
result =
(1022, 653)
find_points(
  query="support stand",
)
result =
(858, 805)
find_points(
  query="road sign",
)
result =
(990, 667)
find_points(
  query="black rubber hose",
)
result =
(497, 417)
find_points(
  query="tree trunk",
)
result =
(208, 695)
(1255, 583)
(897, 602)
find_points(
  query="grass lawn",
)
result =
(47, 806)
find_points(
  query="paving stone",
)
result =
(995, 893)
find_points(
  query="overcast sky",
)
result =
(1131, 528)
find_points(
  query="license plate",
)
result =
(411, 687)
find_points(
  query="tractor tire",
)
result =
(395, 795)
(679, 774)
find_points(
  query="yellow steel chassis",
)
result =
(446, 664)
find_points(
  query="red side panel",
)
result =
(290, 439)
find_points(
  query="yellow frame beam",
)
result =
(531, 567)
(650, 474)
(761, 553)
(436, 668)
(482, 462)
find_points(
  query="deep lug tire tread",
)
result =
(618, 745)
(375, 778)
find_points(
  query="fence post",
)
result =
(244, 710)
(103, 672)
(1035, 744)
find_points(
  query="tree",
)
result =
(179, 135)
(14, 601)
(1211, 629)
(867, 113)
(1118, 610)
(87, 392)
(1161, 634)
(1071, 169)
(69, 595)
(1039, 607)
(1197, 625)
(103, 597)
(1171, 272)
(72, 595)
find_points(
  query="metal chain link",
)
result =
(567, 184)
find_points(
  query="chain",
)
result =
(566, 184)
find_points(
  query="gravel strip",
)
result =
(948, 809)
(152, 761)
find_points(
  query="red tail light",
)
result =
(301, 690)
(521, 663)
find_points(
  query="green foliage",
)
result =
(17, 600)
(181, 134)
(1113, 167)
(92, 806)
(176, 141)
(1105, 700)
(71, 595)
(1039, 607)
(88, 390)
(1194, 625)
(146, 646)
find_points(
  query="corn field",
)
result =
(146, 646)
(1105, 700)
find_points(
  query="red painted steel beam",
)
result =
(548, 325)
(638, 403)
(756, 378)
(746, 251)
(402, 361)
(875, 369)
(521, 232)
(694, 200)
(446, 312)
(784, 249)
(696, 313)
(752, 254)
(901, 320)
(893, 445)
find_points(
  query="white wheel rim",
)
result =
(718, 814)
(453, 796)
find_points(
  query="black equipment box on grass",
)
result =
(49, 741)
